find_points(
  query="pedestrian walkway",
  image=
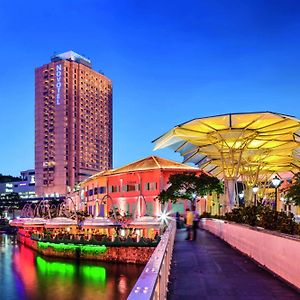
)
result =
(210, 269)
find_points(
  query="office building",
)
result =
(25, 187)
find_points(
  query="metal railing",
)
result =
(153, 282)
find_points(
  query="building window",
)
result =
(131, 187)
(114, 188)
(102, 190)
(150, 186)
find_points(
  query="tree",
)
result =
(188, 186)
(293, 192)
(8, 178)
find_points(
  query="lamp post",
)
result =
(255, 190)
(276, 182)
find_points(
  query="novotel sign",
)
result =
(58, 83)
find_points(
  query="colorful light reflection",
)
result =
(95, 274)
(55, 268)
(32, 276)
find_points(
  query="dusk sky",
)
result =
(169, 61)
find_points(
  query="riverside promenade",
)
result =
(210, 269)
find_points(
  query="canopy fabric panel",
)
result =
(225, 145)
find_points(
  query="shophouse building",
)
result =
(133, 188)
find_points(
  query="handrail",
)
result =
(153, 282)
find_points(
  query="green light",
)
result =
(88, 249)
(92, 274)
(55, 268)
(93, 249)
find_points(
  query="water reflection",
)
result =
(25, 275)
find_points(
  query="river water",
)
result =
(26, 275)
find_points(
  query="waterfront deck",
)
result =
(210, 269)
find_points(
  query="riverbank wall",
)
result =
(136, 255)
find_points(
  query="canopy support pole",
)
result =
(230, 193)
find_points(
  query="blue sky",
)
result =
(170, 61)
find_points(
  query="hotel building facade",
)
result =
(73, 123)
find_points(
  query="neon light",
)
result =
(58, 83)
(94, 249)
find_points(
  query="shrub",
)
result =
(264, 216)
(205, 215)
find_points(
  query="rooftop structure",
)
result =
(72, 56)
(146, 164)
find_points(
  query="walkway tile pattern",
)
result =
(210, 269)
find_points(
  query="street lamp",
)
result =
(255, 190)
(241, 197)
(194, 196)
(276, 182)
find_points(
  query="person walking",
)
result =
(189, 223)
(195, 222)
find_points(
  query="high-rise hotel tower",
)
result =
(73, 123)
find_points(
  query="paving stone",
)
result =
(210, 269)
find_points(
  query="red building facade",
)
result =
(133, 188)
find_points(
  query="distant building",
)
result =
(73, 123)
(133, 188)
(25, 188)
